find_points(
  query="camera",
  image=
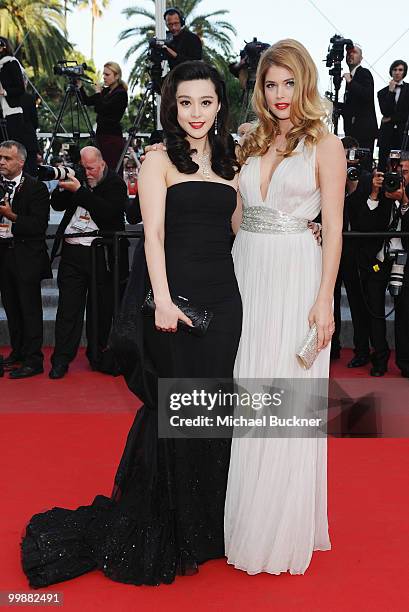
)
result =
(70, 68)
(354, 158)
(393, 179)
(249, 57)
(62, 173)
(156, 53)
(5, 188)
(335, 53)
(399, 259)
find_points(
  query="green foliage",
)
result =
(214, 32)
(36, 28)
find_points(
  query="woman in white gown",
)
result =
(276, 504)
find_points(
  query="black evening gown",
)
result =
(165, 515)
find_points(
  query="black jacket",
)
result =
(359, 107)
(398, 112)
(376, 220)
(32, 207)
(30, 122)
(106, 205)
(187, 45)
(12, 81)
(109, 106)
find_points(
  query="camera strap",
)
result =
(393, 226)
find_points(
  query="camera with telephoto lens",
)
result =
(70, 68)
(62, 173)
(399, 259)
(393, 179)
(5, 188)
(354, 159)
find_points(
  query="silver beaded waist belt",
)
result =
(264, 220)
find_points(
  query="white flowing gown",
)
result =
(276, 503)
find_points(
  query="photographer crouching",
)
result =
(98, 203)
(382, 262)
(24, 262)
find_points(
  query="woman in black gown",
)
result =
(165, 516)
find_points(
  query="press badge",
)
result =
(5, 227)
(81, 222)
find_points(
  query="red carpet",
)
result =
(61, 442)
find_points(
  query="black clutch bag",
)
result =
(199, 316)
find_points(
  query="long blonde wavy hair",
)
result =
(308, 113)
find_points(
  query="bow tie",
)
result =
(396, 86)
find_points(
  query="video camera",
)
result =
(249, 58)
(71, 69)
(354, 159)
(335, 53)
(156, 53)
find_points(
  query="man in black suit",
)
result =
(394, 105)
(185, 45)
(98, 205)
(359, 107)
(356, 194)
(386, 211)
(24, 260)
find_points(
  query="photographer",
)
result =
(110, 103)
(98, 204)
(357, 189)
(359, 107)
(394, 105)
(386, 210)
(11, 91)
(24, 261)
(185, 45)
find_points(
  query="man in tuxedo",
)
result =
(394, 105)
(386, 211)
(359, 107)
(96, 205)
(24, 260)
(356, 194)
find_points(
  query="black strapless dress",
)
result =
(166, 513)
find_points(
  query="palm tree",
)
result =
(35, 28)
(96, 13)
(214, 33)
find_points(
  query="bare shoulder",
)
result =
(329, 145)
(155, 162)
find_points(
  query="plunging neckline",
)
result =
(263, 201)
(271, 178)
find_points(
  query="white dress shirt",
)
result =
(6, 224)
(395, 243)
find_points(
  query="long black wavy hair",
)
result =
(224, 162)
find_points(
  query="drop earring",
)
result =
(215, 126)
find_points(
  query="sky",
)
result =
(383, 35)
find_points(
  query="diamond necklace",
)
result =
(203, 161)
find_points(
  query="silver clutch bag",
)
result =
(308, 350)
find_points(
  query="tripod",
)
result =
(246, 112)
(335, 72)
(149, 92)
(77, 109)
